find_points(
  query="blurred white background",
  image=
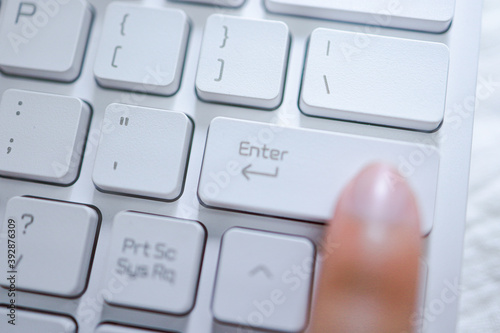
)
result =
(480, 300)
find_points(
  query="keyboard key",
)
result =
(143, 152)
(112, 328)
(418, 316)
(54, 245)
(405, 87)
(243, 62)
(160, 258)
(132, 56)
(44, 38)
(30, 321)
(224, 3)
(299, 174)
(264, 280)
(42, 136)
(424, 15)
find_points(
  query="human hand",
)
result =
(369, 283)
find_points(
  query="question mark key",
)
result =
(57, 238)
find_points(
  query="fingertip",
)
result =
(373, 272)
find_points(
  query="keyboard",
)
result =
(169, 166)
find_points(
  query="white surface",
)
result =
(29, 322)
(243, 61)
(387, 81)
(480, 293)
(44, 39)
(303, 170)
(143, 152)
(159, 260)
(50, 264)
(264, 280)
(42, 136)
(425, 15)
(132, 56)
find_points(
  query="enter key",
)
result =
(299, 174)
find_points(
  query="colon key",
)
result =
(247, 149)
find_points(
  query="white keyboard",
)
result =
(169, 166)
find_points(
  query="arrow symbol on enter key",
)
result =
(246, 172)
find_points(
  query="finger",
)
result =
(369, 283)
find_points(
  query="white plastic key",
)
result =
(54, 243)
(113, 328)
(419, 314)
(243, 61)
(159, 260)
(424, 15)
(264, 280)
(132, 56)
(389, 81)
(44, 39)
(299, 174)
(25, 322)
(42, 136)
(224, 3)
(143, 152)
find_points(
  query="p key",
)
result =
(44, 38)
